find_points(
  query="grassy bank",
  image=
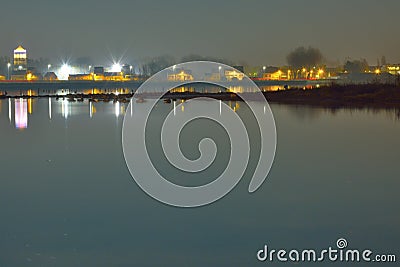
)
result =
(366, 95)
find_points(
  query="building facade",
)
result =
(20, 59)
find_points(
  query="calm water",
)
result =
(67, 198)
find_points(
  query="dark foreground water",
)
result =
(67, 198)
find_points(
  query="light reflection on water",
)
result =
(206, 88)
(23, 107)
(67, 198)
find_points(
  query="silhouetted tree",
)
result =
(40, 65)
(3, 65)
(356, 66)
(383, 60)
(194, 57)
(156, 64)
(82, 62)
(304, 57)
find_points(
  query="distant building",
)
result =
(50, 76)
(98, 73)
(273, 75)
(21, 75)
(18, 75)
(113, 76)
(393, 69)
(180, 75)
(127, 70)
(80, 77)
(98, 70)
(20, 59)
(232, 74)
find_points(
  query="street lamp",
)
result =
(48, 67)
(130, 68)
(264, 68)
(90, 67)
(8, 70)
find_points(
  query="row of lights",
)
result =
(66, 69)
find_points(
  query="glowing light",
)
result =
(116, 67)
(377, 71)
(64, 72)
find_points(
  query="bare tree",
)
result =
(356, 66)
(304, 57)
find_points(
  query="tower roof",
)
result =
(20, 49)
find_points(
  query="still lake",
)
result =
(67, 198)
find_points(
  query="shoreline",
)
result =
(334, 96)
(76, 85)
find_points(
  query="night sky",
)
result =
(257, 32)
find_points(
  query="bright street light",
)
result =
(64, 72)
(116, 67)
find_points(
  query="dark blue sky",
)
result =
(258, 32)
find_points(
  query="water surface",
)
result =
(67, 198)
